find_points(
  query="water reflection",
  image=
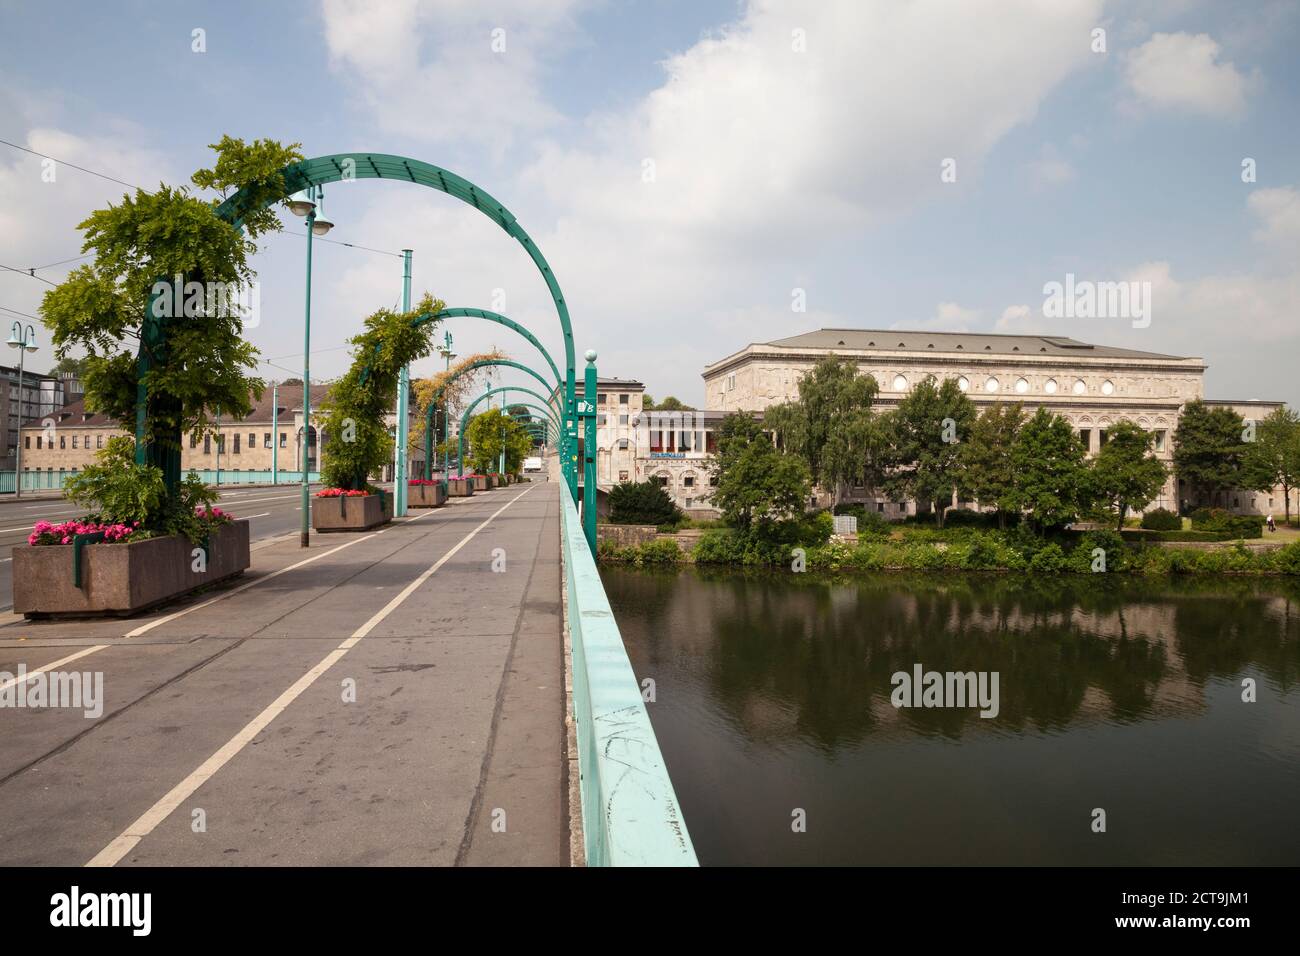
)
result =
(793, 673)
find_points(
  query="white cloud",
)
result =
(1183, 71)
(440, 70)
(1278, 210)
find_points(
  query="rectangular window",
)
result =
(63, 441)
(600, 421)
(74, 442)
(235, 450)
(207, 444)
(99, 441)
(622, 419)
(622, 476)
(600, 398)
(86, 443)
(266, 440)
(252, 440)
(688, 481)
(27, 441)
(38, 441)
(1085, 436)
(221, 444)
(1160, 440)
(194, 439)
(622, 444)
(284, 439)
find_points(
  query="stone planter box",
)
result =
(494, 481)
(425, 496)
(122, 579)
(460, 487)
(351, 514)
(481, 483)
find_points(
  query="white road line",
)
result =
(112, 854)
(49, 667)
(145, 628)
(262, 515)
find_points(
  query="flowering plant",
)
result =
(470, 474)
(213, 515)
(46, 532)
(423, 481)
(343, 493)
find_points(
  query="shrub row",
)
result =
(1094, 552)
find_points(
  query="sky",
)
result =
(703, 175)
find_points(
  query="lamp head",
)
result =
(302, 202)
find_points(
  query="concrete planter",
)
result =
(481, 483)
(122, 579)
(351, 514)
(460, 487)
(494, 481)
(425, 496)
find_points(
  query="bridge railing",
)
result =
(630, 813)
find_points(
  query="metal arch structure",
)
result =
(489, 316)
(464, 419)
(351, 166)
(433, 401)
(500, 319)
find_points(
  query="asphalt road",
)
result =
(388, 697)
(272, 511)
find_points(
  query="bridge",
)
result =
(448, 689)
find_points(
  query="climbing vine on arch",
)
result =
(358, 443)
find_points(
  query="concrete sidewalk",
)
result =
(397, 700)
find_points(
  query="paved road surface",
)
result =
(229, 711)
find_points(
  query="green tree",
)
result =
(984, 457)
(192, 353)
(923, 440)
(1126, 475)
(353, 415)
(673, 404)
(753, 481)
(643, 502)
(1211, 453)
(489, 432)
(1275, 454)
(1050, 477)
(831, 424)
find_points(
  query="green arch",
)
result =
(349, 166)
(460, 435)
(433, 401)
(500, 319)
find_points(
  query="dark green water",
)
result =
(1125, 694)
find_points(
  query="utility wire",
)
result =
(28, 273)
(73, 165)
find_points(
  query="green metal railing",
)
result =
(630, 814)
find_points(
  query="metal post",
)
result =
(18, 462)
(403, 390)
(588, 413)
(219, 444)
(275, 434)
(303, 458)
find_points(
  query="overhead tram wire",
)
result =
(114, 179)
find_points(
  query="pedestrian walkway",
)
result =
(393, 697)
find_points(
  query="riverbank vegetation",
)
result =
(1044, 505)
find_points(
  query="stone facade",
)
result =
(1091, 386)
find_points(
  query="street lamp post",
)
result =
(307, 203)
(24, 340)
(446, 418)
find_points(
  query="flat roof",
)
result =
(899, 340)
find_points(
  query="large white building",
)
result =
(1092, 386)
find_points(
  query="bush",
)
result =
(719, 547)
(1235, 526)
(1049, 559)
(1110, 542)
(1161, 519)
(1286, 560)
(659, 551)
(642, 502)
